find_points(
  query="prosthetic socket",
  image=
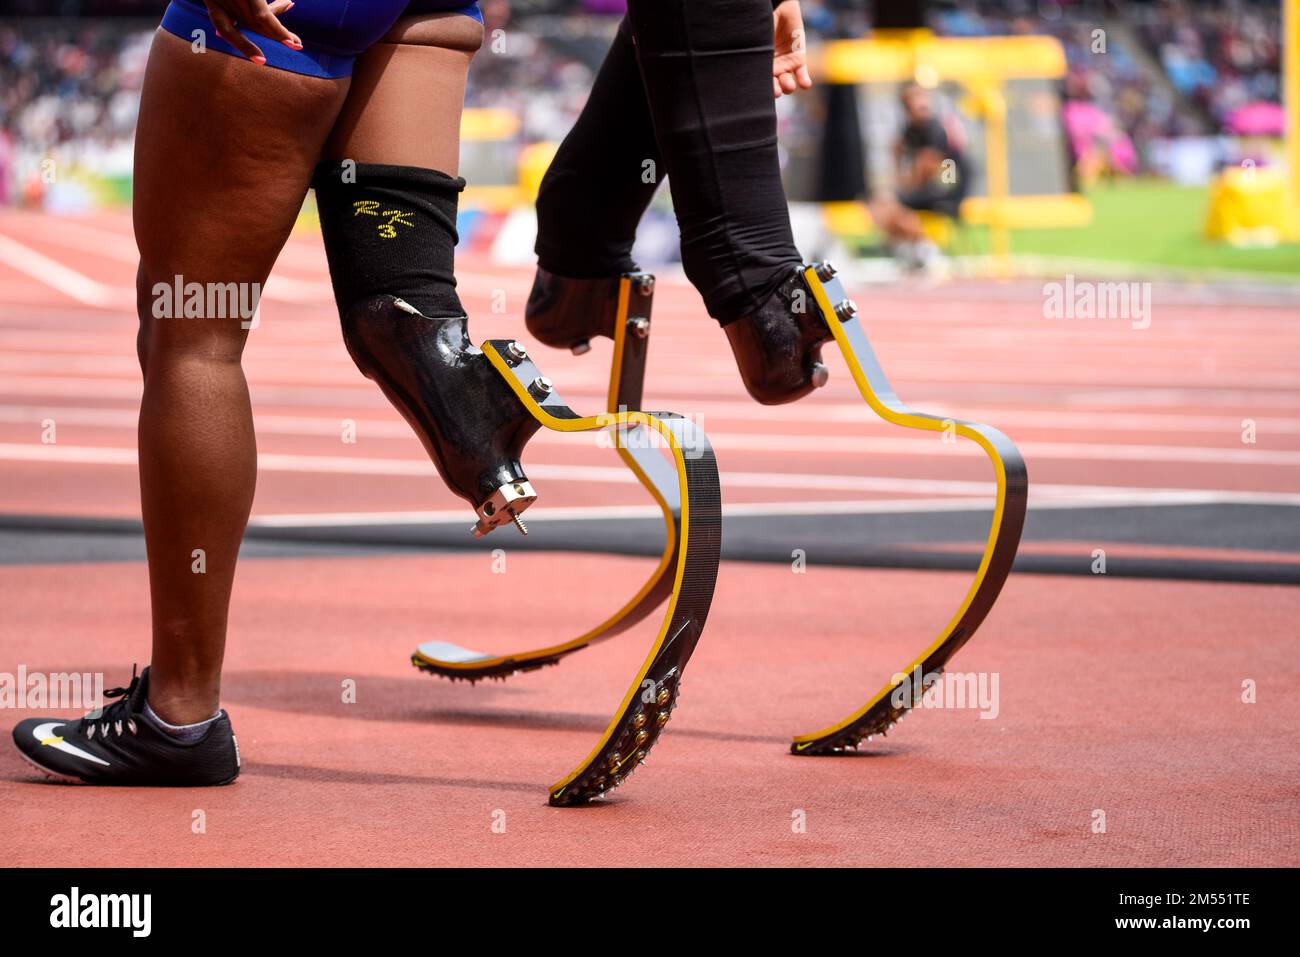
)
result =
(390, 237)
(777, 346)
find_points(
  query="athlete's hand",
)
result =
(256, 15)
(790, 64)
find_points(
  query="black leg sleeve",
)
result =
(390, 231)
(599, 184)
(707, 70)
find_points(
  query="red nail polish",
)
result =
(259, 60)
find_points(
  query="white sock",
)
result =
(184, 732)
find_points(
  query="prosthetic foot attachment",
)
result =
(697, 535)
(891, 702)
(475, 409)
(473, 429)
(566, 314)
(778, 351)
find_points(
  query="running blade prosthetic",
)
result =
(566, 312)
(697, 532)
(475, 409)
(885, 708)
(778, 352)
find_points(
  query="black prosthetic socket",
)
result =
(390, 230)
(390, 236)
(568, 313)
(471, 423)
(778, 345)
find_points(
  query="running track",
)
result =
(1118, 692)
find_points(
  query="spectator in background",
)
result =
(930, 176)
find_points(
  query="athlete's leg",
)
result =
(590, 202)
(603, 176)
(706, 75)
(407, 95)
(224, 155)
(691, 98)
(387, 195)
(707, 69)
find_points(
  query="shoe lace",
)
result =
(116, 714)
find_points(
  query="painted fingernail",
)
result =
(293, 43)
(259, 60)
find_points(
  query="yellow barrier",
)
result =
(983, 65)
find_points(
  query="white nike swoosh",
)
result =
(45, 731)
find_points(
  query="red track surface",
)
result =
(1122, 696)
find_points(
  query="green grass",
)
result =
(1146, 223)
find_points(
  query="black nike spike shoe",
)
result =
(778, 347)
(120, 745)
(471, 424)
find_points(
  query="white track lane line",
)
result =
(50, 272)
(541, 513)
(734, 442)
(62, 279)
(711, 411)
(323, 464)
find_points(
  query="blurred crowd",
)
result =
(69, 87)
(1164, 69)
(69, 93)
(1223, 56)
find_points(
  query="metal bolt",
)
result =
(825, 271)
(819, 374)
(846, 309)
(581, 348)
(663, 697)
(517, 351)
(645, 284)
(519, 523)
(640, 326)
(542, 386)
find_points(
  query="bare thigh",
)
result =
(224, 155)
(407, 95)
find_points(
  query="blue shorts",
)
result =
(333, 32)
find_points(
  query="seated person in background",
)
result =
(930, 175)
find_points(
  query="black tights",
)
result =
(685, 90)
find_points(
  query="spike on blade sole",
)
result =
(638, 732)
(497, 672)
